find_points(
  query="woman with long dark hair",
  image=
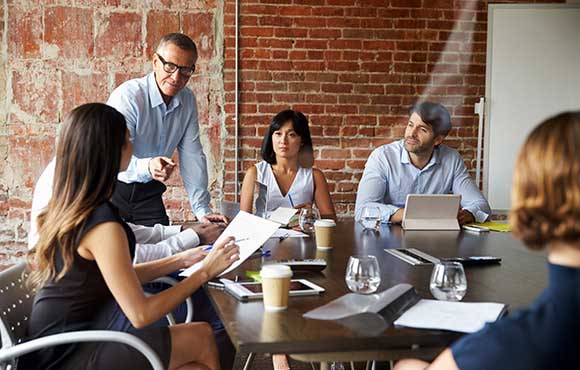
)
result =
(287, 168)
(82, 263)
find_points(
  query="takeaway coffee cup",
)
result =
(275, 286)
(324, 230)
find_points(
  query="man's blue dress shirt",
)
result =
(389, 176)
(158, 129)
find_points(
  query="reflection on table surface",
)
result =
(517, 281)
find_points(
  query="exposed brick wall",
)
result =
(59, 54)
(353, 66)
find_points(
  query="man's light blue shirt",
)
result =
(157, 129)
(389, 176)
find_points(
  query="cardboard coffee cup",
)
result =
(324, 230)
(275, 286)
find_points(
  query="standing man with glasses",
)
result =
(161, 115)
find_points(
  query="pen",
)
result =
(290, 199)
(209, 247)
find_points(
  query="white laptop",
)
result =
(431, 212)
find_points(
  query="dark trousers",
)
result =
(202, 311)
(141, 204)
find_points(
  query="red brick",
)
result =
(343, 22)
(295, 10)
(34, 93)
(119, 35)
(276, 21)
(328, 11)
(290, 32)
(337, 88)
(335, 154)
(69, 31)
(80, 89)
(330, 164)
(256, 32)
(25, 32)
(342, 109)
(27, 158)
(200, 27)
(160, 23)
(257, 9)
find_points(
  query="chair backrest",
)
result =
(15, 304)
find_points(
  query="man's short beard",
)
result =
(422, 149)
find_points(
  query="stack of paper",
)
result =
(455, 316)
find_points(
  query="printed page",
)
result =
(464, 317)
(282, 215)
(289, 233)
(250, 231)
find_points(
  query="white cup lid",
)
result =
(276, 271)
(325, 222)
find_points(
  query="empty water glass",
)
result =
(307, 218)
(448, 281)
(370, 218)
(363, 274)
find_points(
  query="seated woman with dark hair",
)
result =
(82, 263)
(545, 213)
(287, 168)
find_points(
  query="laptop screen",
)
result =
(261, 200)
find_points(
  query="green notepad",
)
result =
(254, 275)
(503, 227)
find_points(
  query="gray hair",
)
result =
(180, 40)
(435, 115)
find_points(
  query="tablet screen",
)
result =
(295, 286)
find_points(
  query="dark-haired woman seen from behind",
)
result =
(287, 168)
(545, 213)
(82, 262)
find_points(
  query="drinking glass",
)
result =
(448, 281)
(363, 274)
(370, 218)
(307, 218)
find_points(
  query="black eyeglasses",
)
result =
(169, 67)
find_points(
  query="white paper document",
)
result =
(250, 231)
(287, 233)
(282, 215)
(463, 317)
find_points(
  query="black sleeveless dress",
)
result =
(81, 300)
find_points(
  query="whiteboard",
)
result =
(533, 72)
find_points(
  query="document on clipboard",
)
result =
(250, 231)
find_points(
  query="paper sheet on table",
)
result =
(288, 233)
(282, 215)
(464, 317)
(502, 227)
(250, 231)
(352, 304)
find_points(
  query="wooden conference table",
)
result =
(519, 279)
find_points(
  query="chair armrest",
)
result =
(83, 336)
(189, 303)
